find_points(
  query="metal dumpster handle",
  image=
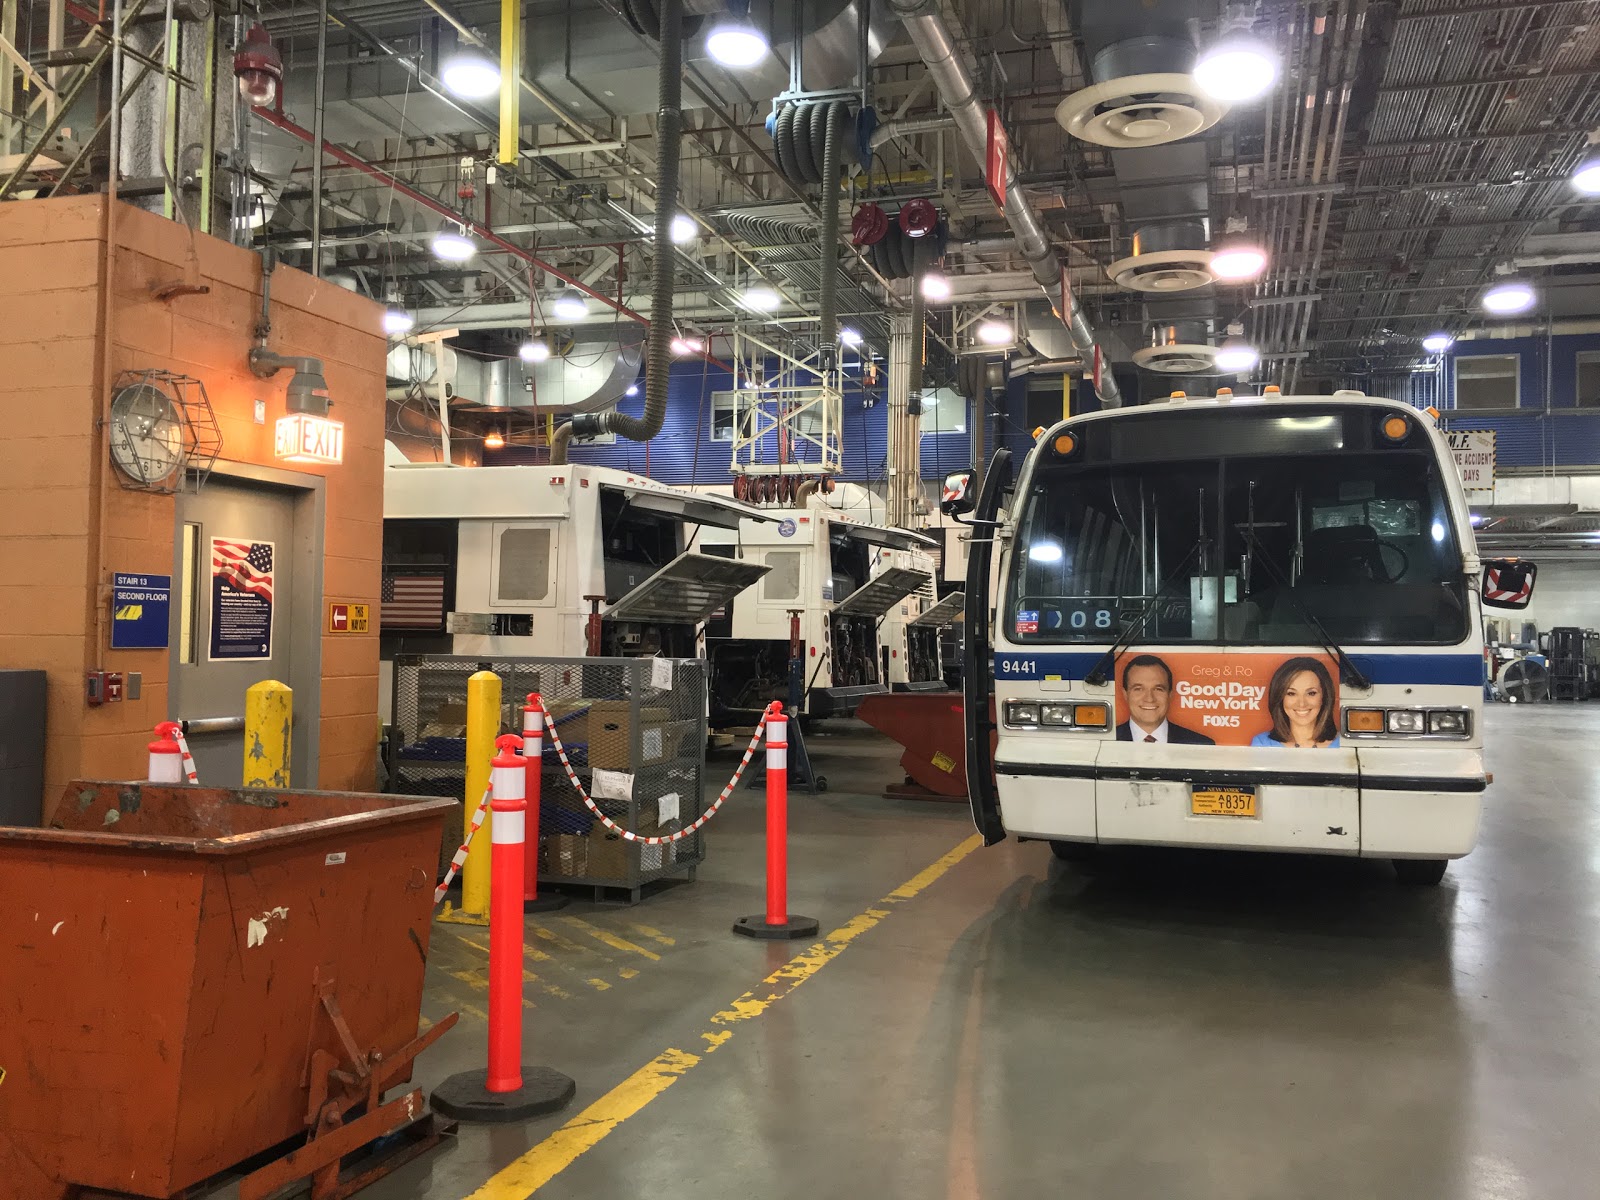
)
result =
(200, 725)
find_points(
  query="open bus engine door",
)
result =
(977, 672)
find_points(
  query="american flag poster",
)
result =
(241, 600)
(413, 602)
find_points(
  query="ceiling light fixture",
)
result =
(633, 390)
(682, 346)
(762, 298)
(996, 333)
(259, 67)
(684, 229)
(493, 440)
(1513, 296)
(535, 350)
(734, 41)
(1586, 175)
(397, 321)
(1437, 343)
(1235, 356)
(1235, 261)
(570, 305)
(470, 75)
(849, 336)
(1237, 67)
(935, 286)
(451, 244)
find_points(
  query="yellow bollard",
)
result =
(483, 726)
(268, 713)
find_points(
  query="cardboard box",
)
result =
(571, 718)
(608, 855)
(611, 735)
(565, 854)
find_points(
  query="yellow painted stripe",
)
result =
(588, 1129)
(655, 935)
(606, 937)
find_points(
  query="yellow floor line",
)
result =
(533, 952)
(606, 937)
(655, 935)
(561, 1149)
(628, 972)
(564, 943)
(599, 985)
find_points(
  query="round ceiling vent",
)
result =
(1163, 271)
(1179, 359)
(1139, 110)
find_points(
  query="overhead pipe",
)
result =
(340, 154)
(931, 36)
(669, 135)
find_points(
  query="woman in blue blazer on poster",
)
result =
(1302, 703)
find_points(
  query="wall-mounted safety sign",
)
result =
(141, 606)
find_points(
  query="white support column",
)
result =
(901, 446)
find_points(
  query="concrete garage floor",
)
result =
(1164, 1025)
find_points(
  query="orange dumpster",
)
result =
(931, 727)
(191, 977)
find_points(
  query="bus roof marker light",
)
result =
(1396, 427)
(1513, 296)
(1065, 444)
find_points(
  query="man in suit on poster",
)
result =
(1147, 684)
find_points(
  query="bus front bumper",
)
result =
(1381, 802)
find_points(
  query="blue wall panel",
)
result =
(1561, 436)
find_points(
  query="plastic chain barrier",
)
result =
(188, 759)
(628, 834)
(461, 854)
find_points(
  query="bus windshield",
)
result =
(1242, 546)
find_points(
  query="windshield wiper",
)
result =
(1125, 638)
(1348, 671)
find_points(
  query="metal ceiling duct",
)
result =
(1168, 256)
(931, 37)
(1144, 92)
(594, 378)
(1181, 348)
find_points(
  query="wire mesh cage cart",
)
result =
(635, 733)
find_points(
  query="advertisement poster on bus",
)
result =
(1265, 700)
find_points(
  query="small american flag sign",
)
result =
(413, 602)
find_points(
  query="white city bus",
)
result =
(1174, 600)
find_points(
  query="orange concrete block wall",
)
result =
(60, 497)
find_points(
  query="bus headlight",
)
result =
(1407, 720)
(1022, 712)
(1055, 714)
(1448, 722)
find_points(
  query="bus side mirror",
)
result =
(957, 498)
(1508, 582)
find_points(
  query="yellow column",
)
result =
(510, 79)
(268, 713)
(483, 726)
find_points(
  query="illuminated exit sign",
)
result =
(304, 438)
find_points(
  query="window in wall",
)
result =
(524, 566)
(944, 410)
(1588, 388)
(1488, 381)
(722, 416)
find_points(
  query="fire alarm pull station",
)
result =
(103, 687)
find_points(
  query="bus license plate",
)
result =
(1223, 802)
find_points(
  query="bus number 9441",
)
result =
(1026, 668)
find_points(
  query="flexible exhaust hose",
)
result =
(828, 302)
(658, 352)
(919, 317)
(803, 493)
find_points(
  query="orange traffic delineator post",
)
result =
(507, 1090)
(533, 752)
(166, 756)
(777, 923)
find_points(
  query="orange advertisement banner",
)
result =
(1213, 699)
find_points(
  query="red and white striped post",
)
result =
(507, 1090)
(777, 923)
(166, 758)
(533, 719)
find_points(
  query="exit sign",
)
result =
(349, 618)
(304, 438)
